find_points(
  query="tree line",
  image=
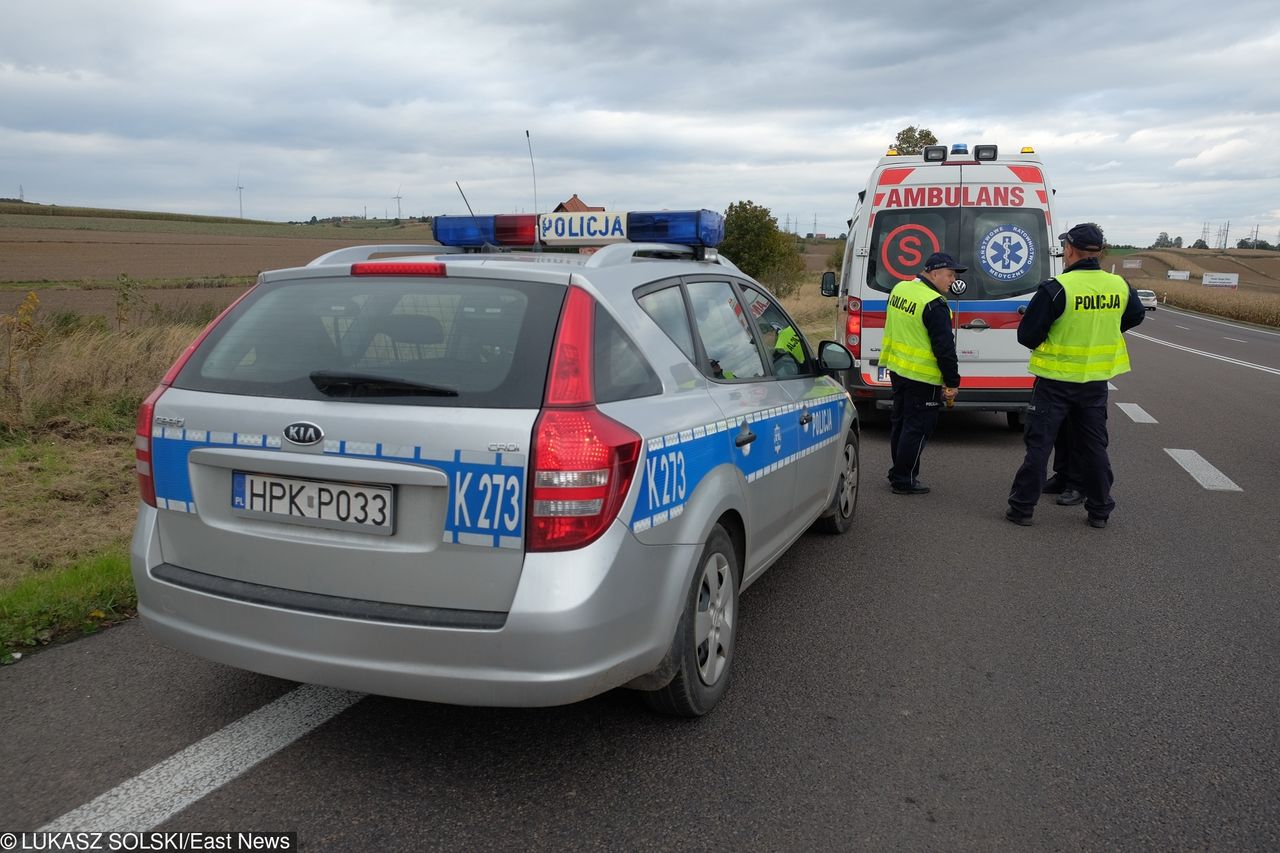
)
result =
(1165, 242)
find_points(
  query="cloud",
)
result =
(157, 104)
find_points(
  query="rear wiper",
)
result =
(342, 383)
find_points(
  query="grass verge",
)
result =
(80, 598)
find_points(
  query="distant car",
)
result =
(1148, 299)
(491, 478)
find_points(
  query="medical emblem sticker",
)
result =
(1006, 253)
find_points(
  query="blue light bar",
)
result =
(465, 231)
(960, 148)
(685, 227)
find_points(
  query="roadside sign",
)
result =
(1179, 275)
(1220, 279)
(1133, 263)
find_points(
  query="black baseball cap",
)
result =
(1086, 236)
(942, 261)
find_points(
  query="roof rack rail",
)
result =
(356, 254)
(617, 254)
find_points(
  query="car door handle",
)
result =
(744, 437)
(976, 324)
(806, 418)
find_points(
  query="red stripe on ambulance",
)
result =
(893, 177)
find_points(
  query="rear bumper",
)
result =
(582, 622)
(971, 398)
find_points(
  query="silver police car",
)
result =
(491, 477)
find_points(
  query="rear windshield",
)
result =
(1005, 249)
(412, 341)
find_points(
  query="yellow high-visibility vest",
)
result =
(906, 349)
(1085, 344)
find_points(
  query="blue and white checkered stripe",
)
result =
(171, 447)
(675, 463)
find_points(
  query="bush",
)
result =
(73, 370)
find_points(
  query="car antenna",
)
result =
(468, 204)
(464, 199)
(537, 246)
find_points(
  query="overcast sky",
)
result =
(1149, 116)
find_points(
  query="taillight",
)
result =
(146, 412)
(582, 467)
(582, 461)
(142, 446)
(853, 328)
(418, 268)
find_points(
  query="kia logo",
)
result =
(303, 433)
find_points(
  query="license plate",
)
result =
(882, 374)
(317, 503)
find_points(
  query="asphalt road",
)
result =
(938, 679)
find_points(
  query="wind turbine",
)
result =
(240, 193)
(397, 197)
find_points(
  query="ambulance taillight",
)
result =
(853, 327)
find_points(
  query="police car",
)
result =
(490, 477)
(993, 211)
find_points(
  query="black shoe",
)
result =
(1017, 517)
(1070, 497)
(1053, 486)
(913, 489)
(1099, 523)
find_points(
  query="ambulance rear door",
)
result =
(1005, 240)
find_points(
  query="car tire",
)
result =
(1016, 421)
(839, 515)
(706, 635)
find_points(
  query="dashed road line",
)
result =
(1204, 473)
(1234, 361)
(1184, 328)
(156, 794)
(1136, 413)
(1237, 340)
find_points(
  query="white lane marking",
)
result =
(1136, 413)
(1222, 322)
(1185, 328)
(158, 793)
(1204, 473)
(1237, 340)
(1111, 387)
(1235, 361)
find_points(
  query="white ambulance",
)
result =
(994, 213)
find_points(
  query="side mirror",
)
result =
(829, 287)
(834, 356)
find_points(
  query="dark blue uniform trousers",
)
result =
(1052, 402)
(915, 413)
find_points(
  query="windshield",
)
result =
(1005, 249)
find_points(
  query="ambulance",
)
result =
(994, 213)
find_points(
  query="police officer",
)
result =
(1073, 327)
(919, 350)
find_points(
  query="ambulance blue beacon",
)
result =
(494, 471)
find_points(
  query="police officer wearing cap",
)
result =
(1074, 328)
(919, 350)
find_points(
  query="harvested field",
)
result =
(1259, 270)
(40, 255)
